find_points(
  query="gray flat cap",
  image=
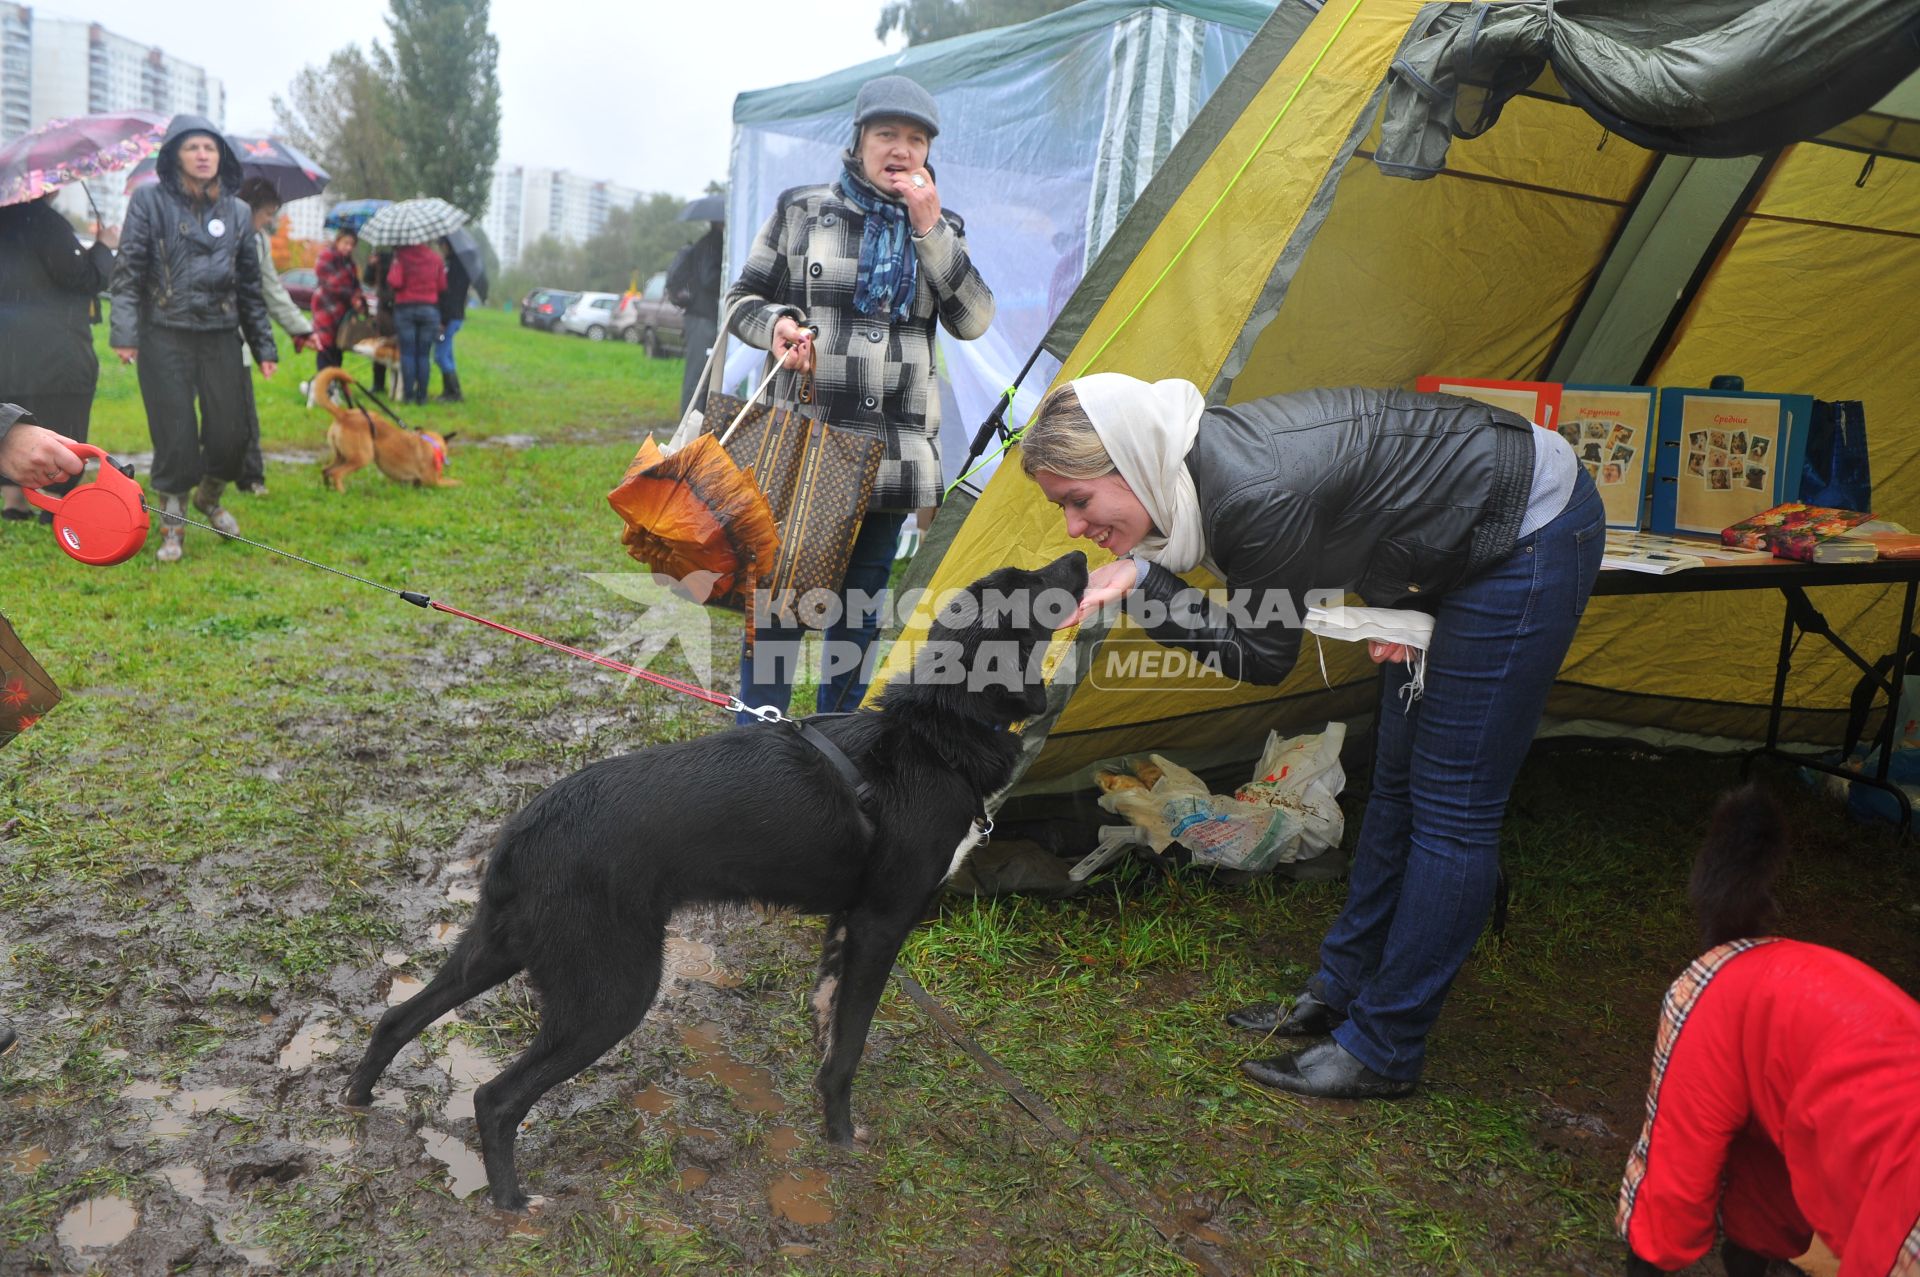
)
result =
(898, 98)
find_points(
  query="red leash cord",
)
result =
(672, 684)
(765, 713)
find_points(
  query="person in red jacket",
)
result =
(336, 292)
(418, 276)
(1785, 1099)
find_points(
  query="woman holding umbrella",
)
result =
(416, 277)
(263, 198)
(188, 275)
(453, 311)
(48, 279)
(48, 282)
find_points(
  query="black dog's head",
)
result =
(982, 655)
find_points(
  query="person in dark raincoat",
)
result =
(188, 275)
(48, 284)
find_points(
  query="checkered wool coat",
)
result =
(869, 373)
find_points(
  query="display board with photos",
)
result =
(1537, 401)
(1611, 429)
(1726, 455)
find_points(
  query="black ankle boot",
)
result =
(1306, 1016)
(450, 388)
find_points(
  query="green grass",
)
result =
(261, 770)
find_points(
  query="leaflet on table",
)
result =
(1726, 455)
(1611, 430)
(1650, 552)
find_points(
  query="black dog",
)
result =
(579, 889)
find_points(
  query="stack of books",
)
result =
(1819, 534)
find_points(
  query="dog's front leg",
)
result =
(868, 945)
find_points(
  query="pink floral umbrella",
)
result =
(61, 152)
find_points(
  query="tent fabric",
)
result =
(1049, 132)
(1290, 260)
(1705, 78)
(1228, 101)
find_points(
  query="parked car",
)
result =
(591, 315)
(543, 307)
(300, 282)
(649, 319)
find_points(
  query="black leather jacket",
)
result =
(188, 263)
(1393, 495)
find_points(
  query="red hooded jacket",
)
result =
(419, 274)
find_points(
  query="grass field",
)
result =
(267, 798)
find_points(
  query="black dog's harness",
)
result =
(862, 788)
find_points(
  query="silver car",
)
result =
(591, 316)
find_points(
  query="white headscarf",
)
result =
(1147, 429)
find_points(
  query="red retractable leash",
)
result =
(105, 522)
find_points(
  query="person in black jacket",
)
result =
(48, 286)
(1422, 502)
(374, 277)
(693, 284)
(188, 276)
(453, 313)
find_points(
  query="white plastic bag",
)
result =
(1303, 777)
(1217, 830)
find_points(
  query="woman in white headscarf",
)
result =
(1429, 502)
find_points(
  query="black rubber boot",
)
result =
(450, 388)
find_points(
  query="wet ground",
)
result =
(174, 1108)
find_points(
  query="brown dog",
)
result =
(358, 436)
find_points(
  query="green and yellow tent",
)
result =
(1283, 246)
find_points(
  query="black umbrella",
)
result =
(467, 250)
(293, 175)
(708, 208)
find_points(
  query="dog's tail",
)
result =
(1733, 875)
(320, 391)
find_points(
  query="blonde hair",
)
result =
(1061, 440)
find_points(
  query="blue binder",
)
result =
(1788, 446)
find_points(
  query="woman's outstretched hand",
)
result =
(1112, 581)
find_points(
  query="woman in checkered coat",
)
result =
(848, 280)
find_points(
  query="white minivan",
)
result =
(591, 316)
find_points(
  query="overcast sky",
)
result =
(634, 91)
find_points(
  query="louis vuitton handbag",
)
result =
(817, 479)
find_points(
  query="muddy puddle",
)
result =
(801, 1196)
(99, 1223)
(751, 1086)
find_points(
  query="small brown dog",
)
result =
(358, 436)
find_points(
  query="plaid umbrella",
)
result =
(419, 221)
(351, 215)
(293, 175)
(61, 152)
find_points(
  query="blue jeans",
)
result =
(1443, 767)
(416, 324)
(443, 347)
(767, 671)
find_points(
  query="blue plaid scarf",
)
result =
(889, 272)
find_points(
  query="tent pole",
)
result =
(1749, 196)
(996, 420)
